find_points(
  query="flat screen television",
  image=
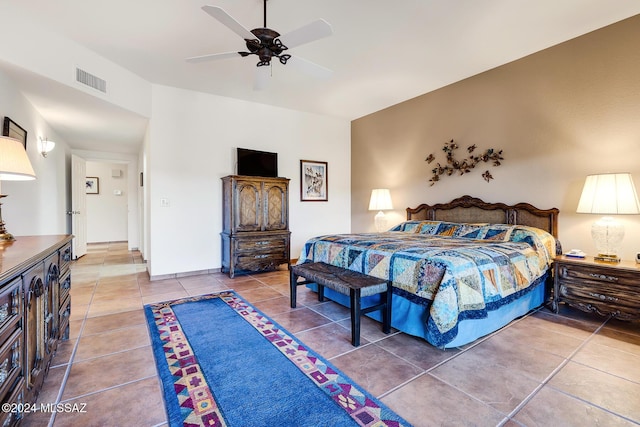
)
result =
(257, 163)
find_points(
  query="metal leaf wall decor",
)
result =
(465, 165)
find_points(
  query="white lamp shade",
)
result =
(14, 162)
(380, 200)
(609, 194)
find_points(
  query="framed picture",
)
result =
(14, 130)
(92, 185)
(313, 181)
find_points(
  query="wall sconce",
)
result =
(45, 146)
(380, 201)
(14, 166)
(608, 194)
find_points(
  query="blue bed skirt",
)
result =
(411, 318)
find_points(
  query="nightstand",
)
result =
(593, 286)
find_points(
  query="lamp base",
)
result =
(381, 222)
(607, 258)
(4, 235)
(607, 234)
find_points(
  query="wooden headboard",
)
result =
(471, 209)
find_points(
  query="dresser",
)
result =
(35, 305)
(599, 287)
(255, 224)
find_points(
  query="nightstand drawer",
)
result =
(600, 294)
(599, 275)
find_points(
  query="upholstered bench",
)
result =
(346, 282)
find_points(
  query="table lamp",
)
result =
(608, 194)
(14, 166)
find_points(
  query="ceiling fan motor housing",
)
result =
(269, 46)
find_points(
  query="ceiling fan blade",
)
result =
(308, 33)
(309, 67)
(212, 57)
(227, 20)
(262, 77)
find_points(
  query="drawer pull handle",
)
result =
(262, 243)
(4, 372)
(603, 297)
(262, 256)
(604, 277)
(4, 312)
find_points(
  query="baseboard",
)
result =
(182, 274)
(193, 273)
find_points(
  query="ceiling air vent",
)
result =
(90, 80)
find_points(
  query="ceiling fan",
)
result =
(268, 44)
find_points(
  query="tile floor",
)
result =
(571, 369)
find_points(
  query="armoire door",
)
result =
(275, 201)
(248, 216)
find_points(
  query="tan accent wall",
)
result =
(559, 115)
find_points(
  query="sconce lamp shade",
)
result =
(608, 194)
(45, 146)
(380, 200)
(14, 162)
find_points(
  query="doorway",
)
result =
(109, 211)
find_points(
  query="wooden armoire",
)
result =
(255, 224)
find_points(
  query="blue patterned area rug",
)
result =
(224, 363)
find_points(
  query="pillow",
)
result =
(440, 228)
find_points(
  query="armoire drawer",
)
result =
(269, 243)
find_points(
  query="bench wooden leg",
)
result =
(320, 292)
(354, 295)
(386, 314)
(293, 286)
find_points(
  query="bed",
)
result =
(460, 270)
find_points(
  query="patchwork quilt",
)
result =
(460, 271)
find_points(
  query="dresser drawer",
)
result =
(65, 286)
(10, 363)
(63, 319)
(264, 244)
(65, 257)
(10, 308)
(16, 401)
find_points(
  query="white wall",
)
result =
(191, 146)
(39, 206)
(107, 212)
(559, 115)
